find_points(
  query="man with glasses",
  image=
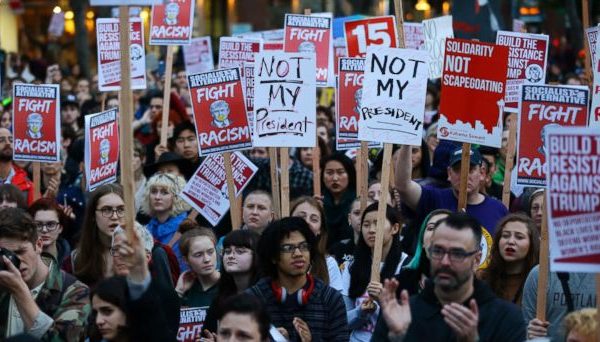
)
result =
(454, 305)
(9, 172)
(36, 296)
(302, 308)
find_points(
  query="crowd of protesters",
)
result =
(71, 274)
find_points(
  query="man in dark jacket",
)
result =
(454, 306)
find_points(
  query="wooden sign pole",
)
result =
(125, 121)
(166, 96)
(465, 165)
(585, 14)
(233, 210)
(36, 181)
(540, 309)
(363, 158)
(274, 181)
(510, 158)
(103, 101)
(316, 167)
(285, 181)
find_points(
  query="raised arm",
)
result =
(410, 191)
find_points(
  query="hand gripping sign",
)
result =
(172, 23)
(36, 123)
(219, 108)
(101, 148)
(362, 33)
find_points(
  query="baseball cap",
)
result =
(69, 99)
(456, 156)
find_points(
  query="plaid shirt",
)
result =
(301, 178)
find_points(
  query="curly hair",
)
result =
(174, 184)
(582, 322)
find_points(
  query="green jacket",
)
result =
(63, 298)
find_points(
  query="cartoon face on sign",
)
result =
(307, 47)
(219, 110)
(136, 51)
(104, 151)
(172, 11)
(534, 73)
(34, 125)
(542, 149)
(357, 100)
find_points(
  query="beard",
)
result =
(6, 155)
(455, 282)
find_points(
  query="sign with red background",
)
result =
(362, 33)
(172, 23)
(101, 148)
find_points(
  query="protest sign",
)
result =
(414, 37)
(207, 192)
(125, 2)
(311, 34)
(393, 97)
(467, 75)
(191, 321)
(541, 107)
(362, 33)
(234, 52)
(519, 26)
(171, 23)
(219, 111)
(592, 37)
(248, 80)
(573, 198)
(526, 63)
(57, 24)
(594, 118)
(109, 54)
(284, 101)
(436, 31)
(198, 56)
(101, 148)
(36, 122)
(272, 39)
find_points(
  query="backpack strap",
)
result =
(564, 283)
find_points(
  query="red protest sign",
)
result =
(542, 107)
(467, 75)
(360, 34)
(36, 122)
(526, 63)
(349, 95)
(101, 148)
(172, 23)
(234, 52)
(219, 111)
(109, 54)
(305, 33)
(573, 198)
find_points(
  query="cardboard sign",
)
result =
(592, 34)
(540, 108)
(219, 111)
(206, 191)
(312, 35)
(377, 31)
(526, 63)
(101, 148)
(414, 37)
(436, 31)
(36, 122)
(234, 52)
(125, 2)
(109, 54)
(467, 75)
(393, 97)
(284, 101)
(573, 199)
(191, 321)
(198, 56)
(172, 23)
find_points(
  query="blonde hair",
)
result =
(582, 322)
(174, 184)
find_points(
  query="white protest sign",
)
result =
(285, 98)
(125, 2)
(198, 56)
(436, 31)
(414, 37)
(57, 24)
(594, 118)
(393, 97)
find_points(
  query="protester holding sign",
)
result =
(10, 173)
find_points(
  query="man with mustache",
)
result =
(454, 305)
(9, 172)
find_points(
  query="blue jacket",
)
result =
(163, 232)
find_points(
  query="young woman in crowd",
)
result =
(325, 267)
(50, 221)
(361, 294)
(166, 209)
(515, 251)
(339, 191)
(305, 154)
(12, 197)
(197, 287)
(536, 202)
(343, 251)
(91, 261)
(239, 271)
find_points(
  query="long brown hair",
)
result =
(319, 266)
(495, 274)
(89, 264)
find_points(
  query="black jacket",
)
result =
(499, 320)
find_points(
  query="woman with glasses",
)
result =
(239, 271)
(198, 286)
(361, 295)
(166, 209)
(91, 261)
(50, 221)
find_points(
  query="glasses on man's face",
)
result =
(236, 250)
(455, 255)
(49, 225)
(289, 248)
(109, 211)
(4, 140)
